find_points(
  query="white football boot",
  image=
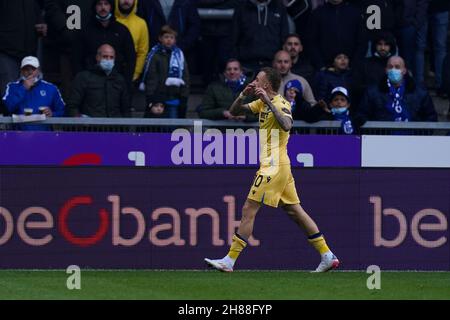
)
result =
(224, 265)
(329, 262)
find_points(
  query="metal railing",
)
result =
(168, 125)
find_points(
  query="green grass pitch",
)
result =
(212, 285)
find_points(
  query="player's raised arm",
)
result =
(237, 108)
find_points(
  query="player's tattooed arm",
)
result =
(283, 119)
(238, 108)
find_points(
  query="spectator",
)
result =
(372, 70)
(336, 27)
(292, 89)
(215, 44)
(300, 12)
(396, 97)
(338, 109)
(157, 108)
(259, 27)
(19, 25)
(100, 91)
(166, 73)
(104, 29)
(438, 21)
(126, 14)
(293, 92)
(300, 63)
(337, 75)
(409, 16)
(282, 63)
(181, 15)
(58, 45)
(221, 94)
(31, 92)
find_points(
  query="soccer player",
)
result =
(274, 184)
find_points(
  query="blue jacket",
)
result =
(43, 94)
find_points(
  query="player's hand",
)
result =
(262, 94)
(249, 89)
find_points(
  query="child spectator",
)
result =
(156, 109)
(166, 73)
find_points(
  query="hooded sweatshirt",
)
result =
(139, 32)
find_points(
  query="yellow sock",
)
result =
(237, 246)
(319, 243)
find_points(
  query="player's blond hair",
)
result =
(273, 76)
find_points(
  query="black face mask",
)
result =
(126, 11)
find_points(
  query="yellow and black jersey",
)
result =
(273, 139)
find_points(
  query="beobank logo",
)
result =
(110, 219)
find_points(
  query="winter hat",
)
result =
(296, 84)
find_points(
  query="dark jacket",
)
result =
(303, 67)
(183, 18)
(217, 27)
(116, 35)
(410, 12)
(97, 95)
(335, 29)
(219, 98)
(327, 80)
(18, 36)
(371, 70)
(56, 18)
(417, 100)
(157, 75)
(258, 34)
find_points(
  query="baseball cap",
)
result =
(340, 90)
(30, 61)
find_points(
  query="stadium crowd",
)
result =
(95, 61)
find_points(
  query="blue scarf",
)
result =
(346, 123)
(237, 85)
(395, 103)
(176, 65)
